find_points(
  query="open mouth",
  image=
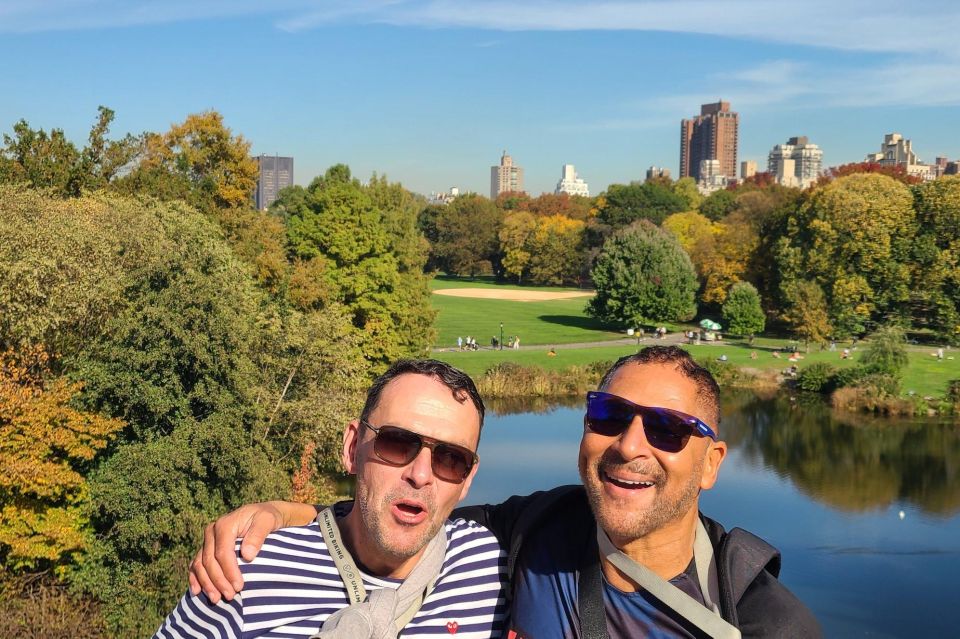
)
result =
(409, 509)
(409, 512)
(629, 484)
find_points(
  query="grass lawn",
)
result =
(924, 375)
(549, 322)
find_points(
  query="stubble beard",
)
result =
(666, 507)
(375, 516)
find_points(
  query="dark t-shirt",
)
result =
(545, 599)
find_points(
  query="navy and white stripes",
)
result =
(293, 586)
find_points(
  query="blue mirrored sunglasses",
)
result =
(666, 429)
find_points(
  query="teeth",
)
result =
(646, 484)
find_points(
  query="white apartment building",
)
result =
(570, 183)
(711, 179)
(898, 151)
(796, 163)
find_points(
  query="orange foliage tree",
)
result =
(45, 445)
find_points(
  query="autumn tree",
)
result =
(853, 238)
(643, 276)
(806, 312)
(742, 312)
(199, 160)
(46, 447)
(547, 248)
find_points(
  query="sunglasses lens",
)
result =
(607, 416)
(666, 431)
(610, 416)
(451, 464)
(397, 446)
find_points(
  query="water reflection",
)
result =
(851, 462)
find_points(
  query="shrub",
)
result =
(817, 378)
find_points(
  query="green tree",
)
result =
(886, 351)
(468, 236)
(718, 204)
(371, 258)
(686, 188)
(742, 312)
(624, 204)
(642, 275)
(41, 159)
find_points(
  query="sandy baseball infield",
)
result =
(512, 295)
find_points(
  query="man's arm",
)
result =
(214, 570)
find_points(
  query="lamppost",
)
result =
(501, 336)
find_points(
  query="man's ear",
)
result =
(351, 440)
(465, 486)
(716, 453)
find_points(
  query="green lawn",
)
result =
(550, 322)
(924, 375)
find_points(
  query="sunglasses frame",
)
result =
(697, 426)
(425, 442)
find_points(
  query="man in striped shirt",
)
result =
(413, 451)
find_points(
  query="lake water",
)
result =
(866, 512)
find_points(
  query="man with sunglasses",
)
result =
(413, 453)
(627, 554)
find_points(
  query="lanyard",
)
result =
(706, 618)
(342, 559)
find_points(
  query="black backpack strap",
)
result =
(593, 616)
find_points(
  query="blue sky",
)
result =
(431, 92)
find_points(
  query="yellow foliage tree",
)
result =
(207, 154)
(44, 443)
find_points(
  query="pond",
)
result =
(865, 511)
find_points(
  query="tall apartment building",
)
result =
(570, 183)
(898, 151)
(505, 178)
(712, 135)
(796, 163)
(276, 173)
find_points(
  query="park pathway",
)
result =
(649, 340)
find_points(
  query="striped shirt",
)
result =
(293, 586)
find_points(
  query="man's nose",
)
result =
(633, 443)
(419, 472)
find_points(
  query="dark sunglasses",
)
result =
(399, 446)
(666, 429)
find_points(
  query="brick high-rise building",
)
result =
(506, 178)
(712, 135)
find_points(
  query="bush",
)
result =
(725, 373)
(817, 378)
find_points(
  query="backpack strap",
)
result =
(590, 605)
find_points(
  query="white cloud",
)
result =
(889, 26)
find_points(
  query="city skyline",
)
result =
(417, 90)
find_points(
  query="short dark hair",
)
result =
(459, 383)
(708, 391)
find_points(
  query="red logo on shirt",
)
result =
(452, 627)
